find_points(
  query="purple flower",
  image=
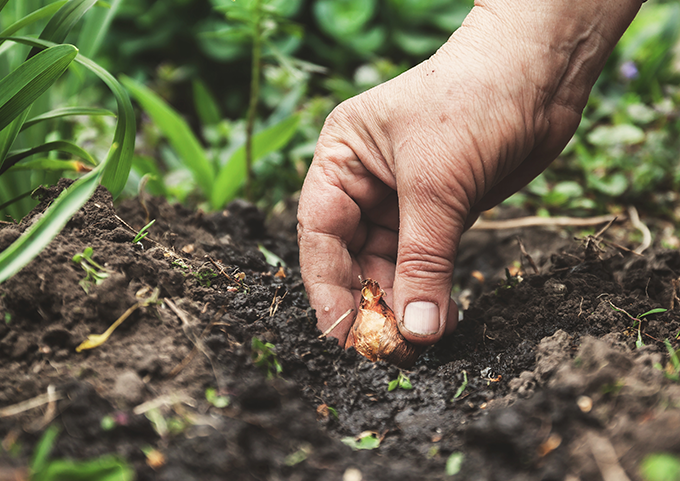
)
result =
(629, 70)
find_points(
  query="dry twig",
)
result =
(29, 404)
(639, 225)
(335, 324)
(526, 255)
(535, 221)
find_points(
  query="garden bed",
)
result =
(543, 379)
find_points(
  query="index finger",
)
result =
(336, 190)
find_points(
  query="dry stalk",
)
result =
(335, 324)
(526, 255)
(29, 404)
(639, 225)
(535, 221)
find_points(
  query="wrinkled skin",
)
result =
(401, 170)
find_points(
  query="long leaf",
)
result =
(36, 237)
(66, 112)
(233, 174)
(58, 145)
(46, 11)
(63, 21)
(31, 79)
(119, 160)
(177, 132)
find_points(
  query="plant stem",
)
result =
(254, 96)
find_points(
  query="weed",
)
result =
(637, 321)
(95, 274)
(462, 387)
(141, 235)
(180, 263)
(510, 281)
(366, 440)
(104, 468)
(660, 467)
(401, 382)
(454, 463)
(213, 398)
(264, 357)
(204, 277)
(672, 370)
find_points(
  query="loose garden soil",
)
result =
(543, 379)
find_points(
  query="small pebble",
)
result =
(585, 404)
(129, 388)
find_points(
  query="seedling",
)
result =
(264, 357)
(672, 370)
(217, 401)
(365, 440)
(660, 467)
(637, 321)
(104, 468)
(95, 274)
(454, 463)
(141, 235)
(462, 387)
(510, 281)
(204, 277)
(401, 382)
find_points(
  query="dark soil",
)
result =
(556, 386)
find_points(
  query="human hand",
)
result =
(401, 170)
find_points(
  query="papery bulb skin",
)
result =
(375, 334)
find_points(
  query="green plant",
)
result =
(401, 382)
(637, 321)
(672, 370)
(216, 400)
(462, 387)
(21, 91)
(95, 273)
(454, 462)
(660, 467)
(205, 277)
(366, 440)
(218, 183)
(104, 468)
(264, 357)
(141, 235)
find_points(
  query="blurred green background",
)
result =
(189, 65)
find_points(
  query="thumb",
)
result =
(429, 232)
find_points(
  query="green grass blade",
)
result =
(46, 11)
(178, 133)
(2, 4)
(31, 79)
(64, 20)
(96, 27)
(58, 145)
(119, 159)
(44, 448)
(233, 174)
(205, 103)
(66, 112)
(36, 237)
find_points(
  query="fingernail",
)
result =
(422, 318)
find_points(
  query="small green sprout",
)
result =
(8, 317)
(217, 401)
(264, 357)
(454, 463)
(204, 277)
(271, 258)
(660, 467)
(141, 235)
(401, 382)
(298, 456)
(333, 411)
(95, 274)
(672, 370)
(104, 468)
(180, 263)
(365, 440)
(107, 423)
(510, 281)
(462, 387)
(637, 321)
